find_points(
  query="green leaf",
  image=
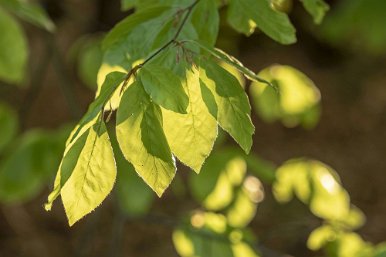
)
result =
(8, 125)
(164, 87)
(197, 127)
(13, 50)
(317, 9)
(222, 56)
(245, 15)
(127, 4)
(142, 140)
(205, 19)
(29, 12)
(134, 196)
(29, 165)
(233, 109)
(93, 176)
(112, 81)
(126, 26)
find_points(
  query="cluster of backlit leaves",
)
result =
(168, 108)
(319, 186)
(13, 42)
(298, 102)
(229, 195)
(26, 161)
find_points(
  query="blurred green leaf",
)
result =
(89, 59)
(209, 233)
(205, 19)
(30, 164)
(13, 50)
(8, 125)
(221, 173)
(29, 12)
(317, 9)
(243, 208)
(317, 185)
(93, 176)
(245, 15)
(142, 140)
(357, 24)
(229, 103)
(297, 103)
(320, 237)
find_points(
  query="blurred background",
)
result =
(332, 109)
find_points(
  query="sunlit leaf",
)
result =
(142, 140)
(13, 50)
(8, 125)
(232, 109)
(30, 12)
(197, 127)
(245, 15)
(93, 176)
(129, 186)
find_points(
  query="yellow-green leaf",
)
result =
(196, 128)
(231, 105)
(93, 176)
(142, 140)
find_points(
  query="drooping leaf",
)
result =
(233, 110)
(164, 87)
(197, 127)
(29, 12)
(112, 81)
(8, 125)
(245, 15)
(93, 176)
(13, 50)
(316, 8)
(142, 140)
(129, 186)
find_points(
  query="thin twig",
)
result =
(132, 72)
